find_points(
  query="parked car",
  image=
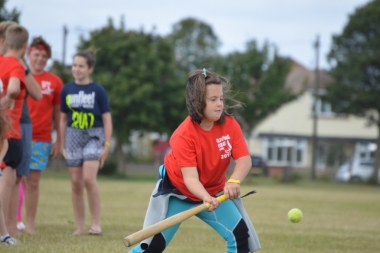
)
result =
(355, 170)
(259, 166)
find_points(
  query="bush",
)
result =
(109, 168)
(327, 175)
(295, 177)
(290, 176)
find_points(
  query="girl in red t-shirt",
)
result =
(195, 170)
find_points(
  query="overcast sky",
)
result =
(292, 25)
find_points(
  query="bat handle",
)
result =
(221, 198)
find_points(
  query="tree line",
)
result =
(145, 74)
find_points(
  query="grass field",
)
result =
(337, 218)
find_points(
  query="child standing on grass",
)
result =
(12, 76)
(86, 128)
(41, 113)
(22, 169)
(195, 170)
(4, 125)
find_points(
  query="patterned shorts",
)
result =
(83, 145)
(40, 155)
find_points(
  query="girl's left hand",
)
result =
(103, 156)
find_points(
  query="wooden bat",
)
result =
(167, 223)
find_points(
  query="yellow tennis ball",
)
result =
(295, 215)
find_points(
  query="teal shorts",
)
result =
(40, 155)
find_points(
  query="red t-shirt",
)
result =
(209, 151)
(41, 111)
(11, 67)
(2, 166)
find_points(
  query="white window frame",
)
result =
(319, 110)
(284, 144)
(321, 105)
(363, 150)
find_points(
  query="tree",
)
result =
(5, 15)
(271, 93)
(137, 70)
(194, 42)
(64, 72)
(355, 57)
(259, 80)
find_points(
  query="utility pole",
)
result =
(315, 112)
(65, 31)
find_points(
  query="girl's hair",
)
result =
(89, 55)
(5, 125)
(41, 44)
(196, 94)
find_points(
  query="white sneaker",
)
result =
(9, 240)
(20, 225)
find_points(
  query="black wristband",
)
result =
(27, 70)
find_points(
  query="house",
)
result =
(285, 138)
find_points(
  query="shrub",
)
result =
(109, 168)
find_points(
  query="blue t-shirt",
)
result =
(84, 104)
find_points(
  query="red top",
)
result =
(2, 166)
(41, 111)
(209, 151)
(11, 67)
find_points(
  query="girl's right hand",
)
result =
(214, 203)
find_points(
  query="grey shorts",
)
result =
(83, 145)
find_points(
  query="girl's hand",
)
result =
(103, 156)
(214, 203)
(63, 152)
(232, 190)
(7, 103)
(54, 151)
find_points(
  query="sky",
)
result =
(291, 25)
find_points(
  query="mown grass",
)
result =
(337, 218)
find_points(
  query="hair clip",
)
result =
(204, 72)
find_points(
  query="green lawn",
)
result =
(337, 218)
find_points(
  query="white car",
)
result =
(355, 170)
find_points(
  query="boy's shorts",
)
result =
(40, 155)
(83, 145)
(14, 154)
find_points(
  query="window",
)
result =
(367, 164)
(365, 150)
(321, 154)
(289, 154)
(323, 108)
(300, 151)
(285, 151)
